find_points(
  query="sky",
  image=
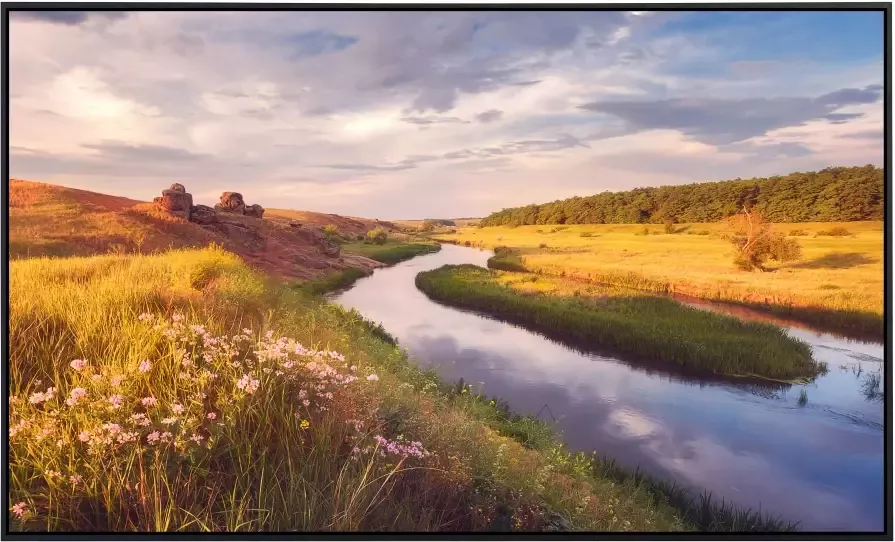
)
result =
(404, 115)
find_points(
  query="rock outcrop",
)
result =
(176, 200)
(227, 219)
(233, 202)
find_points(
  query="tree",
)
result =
(756, 242)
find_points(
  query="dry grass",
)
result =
(836, 275)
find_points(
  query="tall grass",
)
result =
(336, 281)
(643, 326)
(207, 398)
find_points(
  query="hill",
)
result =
(52, 220)
(831, 195)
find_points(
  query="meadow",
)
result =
(186, 391)
(639, 325)
(837, 284)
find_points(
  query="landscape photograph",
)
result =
(473, 270)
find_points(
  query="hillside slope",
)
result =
(52, 220)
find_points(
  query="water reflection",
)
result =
(748, 441)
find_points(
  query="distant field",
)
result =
(461, 223)
(840, 278)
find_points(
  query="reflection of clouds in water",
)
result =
(706, 464)
(631, 424)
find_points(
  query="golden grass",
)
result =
(843, 274)
(265, 462)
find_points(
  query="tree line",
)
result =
(836, 194)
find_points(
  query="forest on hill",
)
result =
(836, 194)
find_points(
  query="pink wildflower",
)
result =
(149, 401)
(145, 366)
(211, 416)
(153, 437)
(84, 436)
(247, 383)
(177, 408)
(197, 438)
(78, 364)
(76, 395)
(145, 316)
(20, 509)
(373, 378)
(116, 400)
(75, 479)
(116, 380)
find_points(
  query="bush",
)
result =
(644, 231)
(756, 243)
(331, 230)
(588, 234)
(542, 245)
(377, 236)
(797, 233)
(838, 231)
(669, 227)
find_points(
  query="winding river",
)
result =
(820, 463)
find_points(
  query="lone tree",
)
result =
(756, 242)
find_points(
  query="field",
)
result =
(184, 391)
(644, 326)
(836, 284)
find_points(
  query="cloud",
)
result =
(345, 110)
(66, 17)
(432, 119)
(718, 121)
(490, 115)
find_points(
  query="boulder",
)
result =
(232, 202)
(203, 214)
(316, 237)
(177, 187)
(254, 210)
(175, 202)
(242, 234)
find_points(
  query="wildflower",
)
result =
(78, 364)
(97, 377)
(84, 436)
(373, 378)
(247, 383)
(197, 438)
(177, 317)
(53, 473)
(353, 368)
(20, 509)
(76, 395)
(149, 401)
(75, 479)
(177, 408)
(211, 416)
(153, 437)
(247, 331)
(306, 402)
(117, 380)
(13, 399)
(141, 419)
(116, 400)
(112, 428)
(145, 366)
(40, 397)
(169, 421)
(145, 316)
(305, 424)
(166, 436)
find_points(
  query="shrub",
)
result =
(542, 245)
(644, 231)
(377, 236)
(669, 227)
(588, 234)
(755, 242)
(331, 230)
(797, 233)
(838, 231)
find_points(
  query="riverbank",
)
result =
(837, 285)
(116, 426)
(640, 325)
(392, 252)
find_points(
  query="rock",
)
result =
(203, 214)
(242, 234)
(294, 224)
(556, 523)
(254, 210)
(232, 202)
(177, 187)
(330, 248)
(316, 237)
(175, 202)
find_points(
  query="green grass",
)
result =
(267, 461)
(643, 326)
(391, 253)
(337, 281)
(699, 263)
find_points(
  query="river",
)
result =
(820, 464)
